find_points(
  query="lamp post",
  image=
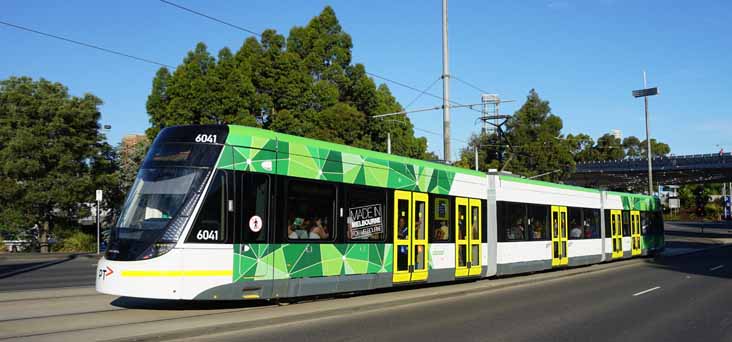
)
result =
(645, 93)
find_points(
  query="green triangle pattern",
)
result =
(282, 261)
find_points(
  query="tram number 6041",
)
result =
(206, 138)
(207, 235)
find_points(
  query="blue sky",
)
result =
(585, 57)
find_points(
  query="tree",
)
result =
(52, 155)
(608, 147)
(581, 147)
(535, 135)
(489, 147)
(632, 147)
(304, 84)
(657, 148)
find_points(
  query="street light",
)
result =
(645, 93)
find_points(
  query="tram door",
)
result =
(559, 236)
(468, 236)
(411, 255)
(616, 225)
(635, 232)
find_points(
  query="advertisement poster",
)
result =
(365, 221)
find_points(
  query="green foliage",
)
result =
(713, 211)
(52, 155)
(77, 241)
(303, 84)
(537, 135)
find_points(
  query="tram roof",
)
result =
(238, 133)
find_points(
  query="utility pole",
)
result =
(99, 203)
(388, 142)
(445, 87)
(645, 93)
(648, 140)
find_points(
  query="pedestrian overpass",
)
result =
(633, 172)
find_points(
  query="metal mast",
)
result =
(445, 87)
(648, 141)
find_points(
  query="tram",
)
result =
(224, 212)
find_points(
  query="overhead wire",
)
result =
(92, 46)
(421, 93)
(211, 17)
(468, 84)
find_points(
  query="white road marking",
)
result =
(646, 291)
(716, 267)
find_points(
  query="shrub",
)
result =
(77, 242)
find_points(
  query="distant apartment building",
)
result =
(129, 141)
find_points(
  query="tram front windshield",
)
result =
(157, 205)
(158, 195)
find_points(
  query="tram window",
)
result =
(626, 223)
(575, 223)
(590, 223)
(209, 226)
(474, 220)
(365, 214)
(254, 206)
(537, 221)
(644, 222)
(608, 225)
(310, 207)
(512, 221)
(441, 219)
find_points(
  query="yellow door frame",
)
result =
(419, 243)
(564, 260)
(616, 222)
(635, 232)
(412, 243)
(475, 234)
(462, 241)
(401, 276)
(556, 236)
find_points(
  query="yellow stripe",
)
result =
(250, 296)
(188, 273)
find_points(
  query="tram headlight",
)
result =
(157, 249)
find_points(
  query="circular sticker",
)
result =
(255, 223)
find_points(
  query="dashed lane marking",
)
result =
(646, 291)
(716, 267)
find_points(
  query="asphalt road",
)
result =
(74, 271)
(18, 272)
(671, 299)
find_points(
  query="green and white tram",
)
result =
(232, 212)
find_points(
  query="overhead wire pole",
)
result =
(445, 87)
(648, 139)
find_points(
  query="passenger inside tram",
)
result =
(517, 230)
(576, 232)
(538, 230)
(318, 230)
